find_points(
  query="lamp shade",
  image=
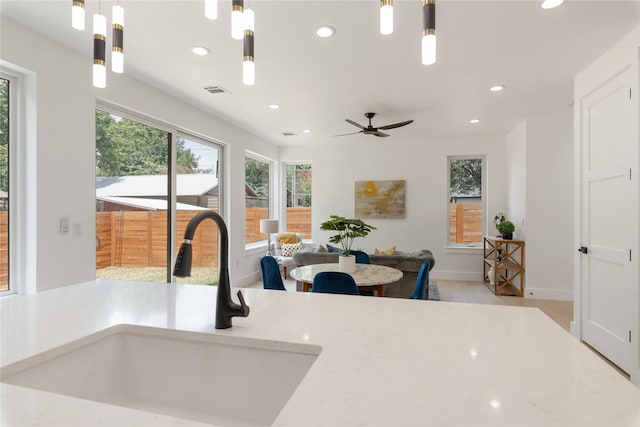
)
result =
(268, 226)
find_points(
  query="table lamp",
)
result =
(269, 226)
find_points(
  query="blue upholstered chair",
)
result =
(422, 282)
(334, 282)
(271, 278)
(361, 257)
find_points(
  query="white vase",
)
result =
(347, 264)
(492, 277)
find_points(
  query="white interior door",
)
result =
(609, 212)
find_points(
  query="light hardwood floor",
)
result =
(477, 293)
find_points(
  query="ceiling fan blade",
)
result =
(378, 133)
(345, 134)
(396, 125)
(355, 124)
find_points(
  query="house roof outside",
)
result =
(154, 185)
(149, 204)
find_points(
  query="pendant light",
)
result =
(99, 50)
(248, 64)
(211, 9)
(117, 49)
(386, 17)
(237, 19)
(77, 15)
(429, 32)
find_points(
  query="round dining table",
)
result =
(367, 276)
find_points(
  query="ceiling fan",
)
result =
(370, 130)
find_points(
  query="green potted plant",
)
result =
(348, 230)
(506, 228)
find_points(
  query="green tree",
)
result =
(125, 147)
(4, 135)
(466, 176)
(299, 185)
(257, 176)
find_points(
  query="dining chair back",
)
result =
(422, 282)
(361, 257)
(270, 270)
(334, 282)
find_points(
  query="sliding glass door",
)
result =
(150, 181)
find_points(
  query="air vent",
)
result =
(289, 133)
(216, 89)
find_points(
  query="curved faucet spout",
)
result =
(225, 307)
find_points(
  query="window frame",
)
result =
(462, 247)
(283, 189)
(15, 225)
(272, 211)
(174, 132)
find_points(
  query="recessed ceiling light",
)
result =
(550, 4)
(200, 50)
(496, 88)
(325, 31)
(474, 121)
(306, 131)
(274, 106)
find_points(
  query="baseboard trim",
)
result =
(247, 280)
(546, 293)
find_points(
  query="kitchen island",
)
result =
(382, 361)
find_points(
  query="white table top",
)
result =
(365, 274)
(384, 361)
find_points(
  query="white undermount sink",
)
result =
(216, 379)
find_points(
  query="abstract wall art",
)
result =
(380, 199)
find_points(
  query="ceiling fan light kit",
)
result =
(370, 130)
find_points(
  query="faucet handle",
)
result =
(243, 305)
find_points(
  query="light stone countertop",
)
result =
(384, 361)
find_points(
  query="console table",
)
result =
(507, 259)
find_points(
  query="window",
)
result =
(466, 202)
(298, 212)
(257, 196)
(138, 224)
(7, 125)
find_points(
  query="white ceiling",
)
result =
(535, 53)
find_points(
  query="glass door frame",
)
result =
(174, 132)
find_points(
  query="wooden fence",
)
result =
(139, 238)
(465, 222)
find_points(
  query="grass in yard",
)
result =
(199, 276)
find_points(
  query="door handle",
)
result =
(583, 249)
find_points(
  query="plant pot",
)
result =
(347, 264)
(507, 236)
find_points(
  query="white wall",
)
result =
(549, 206)
(65, 155)
(516, 150)
(423, 165)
